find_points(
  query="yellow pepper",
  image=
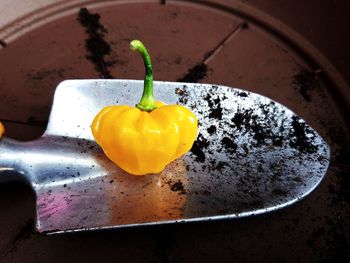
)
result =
(2, 130)
(144, 139)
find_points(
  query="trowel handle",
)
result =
(11, 160)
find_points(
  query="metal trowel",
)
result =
(252, 155)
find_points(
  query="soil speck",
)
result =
(305, 81)
(211, 130)
(178, 187)
(195, 74)
(96, 45)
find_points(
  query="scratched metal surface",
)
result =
(252, 156)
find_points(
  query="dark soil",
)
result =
(234, 144)
(3, 43)
(266, 129)
(198, 148)
(178, 187)
(214, 104)
(247, 121)
(229, 145)
(305, 81)
(183, 95)
(298, 139)
(216, 113)
(211, 130)
(97, 47)
(241, 119)
(195, 74)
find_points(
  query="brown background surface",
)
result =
(179, 36)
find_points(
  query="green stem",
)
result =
(147, 102)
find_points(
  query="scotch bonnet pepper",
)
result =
(2, 130)
(144, 139)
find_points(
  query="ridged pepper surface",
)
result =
(144, 139)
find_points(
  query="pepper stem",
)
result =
(147, 102)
